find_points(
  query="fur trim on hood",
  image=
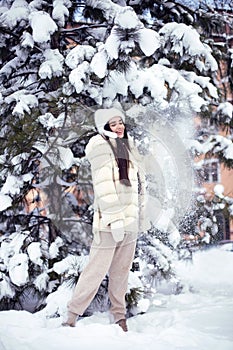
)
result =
(102, 117)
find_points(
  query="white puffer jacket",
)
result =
(115, 201)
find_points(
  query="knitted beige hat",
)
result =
(102, 117)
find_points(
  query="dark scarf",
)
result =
(122, 158)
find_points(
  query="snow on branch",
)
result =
(49, 121)
(215, 144)
(9, 67)
(41, 281)
(109, 8)
(54, 152)
(5, 201)
(228, 151)
(19, 11)
(134, 31)
(149, 41)
(43, 26)
(27, 40)
(231, 52)
(54, 247)
(148, 78)
(124, 39)
(53, 64)
(66, 157)
(18, 269)
(154, 79)
(34, 253)
(100, 61)
(5, 288)
(115, 84)
(78, 76)
(77, 60)
(185, 41)
(24, 102)
(128, 31)
(204, 82)
(186, 90)
(12, 185)
(79, 54)
(60, 11)
(224, 113)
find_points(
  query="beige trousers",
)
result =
(106, 257)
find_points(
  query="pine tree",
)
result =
(60, 60)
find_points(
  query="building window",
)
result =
(211, 170)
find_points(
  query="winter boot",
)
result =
(71, 319)
(122, 324)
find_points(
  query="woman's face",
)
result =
(116, 125)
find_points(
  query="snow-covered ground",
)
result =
(199, 318)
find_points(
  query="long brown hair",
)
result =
(121, 154)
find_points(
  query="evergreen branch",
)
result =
(84, 26)
(9, 32)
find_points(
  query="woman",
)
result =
(115, 174)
